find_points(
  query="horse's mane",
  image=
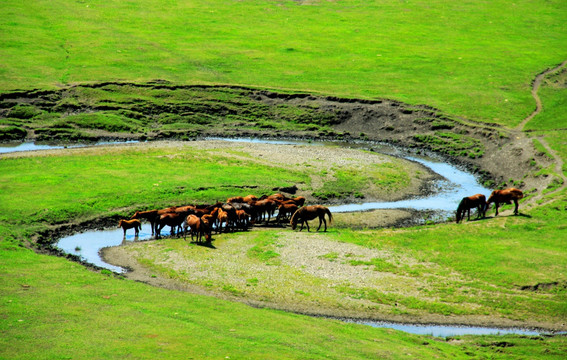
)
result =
(462, 204)
(295, 216)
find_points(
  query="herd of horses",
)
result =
(478, 201)
(237, 213)
(242, 212)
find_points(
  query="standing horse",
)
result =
(306, 213)
(128, 224)
(505, 196)
(172, 219)
(285, 210)
(197, 227)
(476, 201)
(152, 216)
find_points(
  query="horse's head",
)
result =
(459, 216)
(136, 215)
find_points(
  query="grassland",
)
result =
(471, 60)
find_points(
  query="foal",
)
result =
(128, 224)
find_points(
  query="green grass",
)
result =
(473, 60)
(470, 59)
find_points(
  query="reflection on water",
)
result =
(88, 244)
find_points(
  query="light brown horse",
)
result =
(222, 218)
(306, 213)
(129, 224)
(197, 227)
(467, 203)
(505, 196)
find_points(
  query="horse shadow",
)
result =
(207, 244)
(503, 216)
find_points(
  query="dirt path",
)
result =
(535, 88)
(539, 107)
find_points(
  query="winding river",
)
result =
(455, 184)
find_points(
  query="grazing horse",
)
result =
(309, 213)
(476, 201)
(128, 224)
(505, 196)
(197, 227)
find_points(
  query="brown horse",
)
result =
(128, 224)
(309, 213)
(172, 219)
(505, 196)
(285, 210)
(197, 227)
(152, 216)
(476, 201)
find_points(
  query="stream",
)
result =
(451, 189)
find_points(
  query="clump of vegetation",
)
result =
(9, 133)
(452, 144)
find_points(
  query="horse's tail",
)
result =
(328, 212)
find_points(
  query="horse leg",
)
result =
(516, 207)
(496, 207)
(469, 214)
(320, 222)
(307, 224)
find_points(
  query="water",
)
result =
(31, 146)
(455, 185)
(87, 245)
(449, 330)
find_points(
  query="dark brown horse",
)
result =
(505, 196)
(470, 202)
(152, 216)
(172, 219)
(129, 224)
(306, 213)
(286, 210)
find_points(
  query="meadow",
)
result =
(470, 60)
